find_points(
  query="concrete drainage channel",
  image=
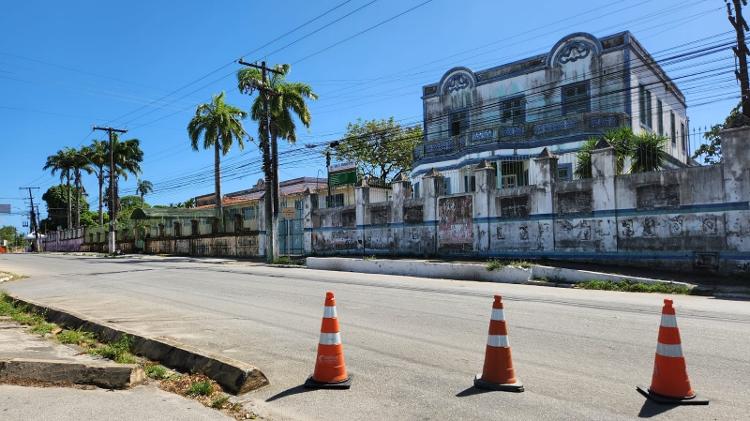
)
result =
(535, 274)
(234, 376)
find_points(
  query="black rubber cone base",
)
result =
(314, 384)
(508, 387)
(666, 400)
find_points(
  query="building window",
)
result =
(335, 201)
(161, 230)
(215, 226)
(575, 98)
(645, 107)
(564, 172)
(513, 111)
(683, 137)
(177, 229)
(250, 213)
(673, 129)
(194, 230)
(470, 183)
(660, 117)
(459, 123)
(446, 185)
(415, 191)
(513, 174)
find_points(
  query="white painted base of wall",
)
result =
(469, 271)
(421, 268)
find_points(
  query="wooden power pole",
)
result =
(34, 225)
(740, 50)
(112, 201)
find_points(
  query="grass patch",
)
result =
(201, 388)
(632, 286)
(43, 328)
(497, 264)
(77, 337)
(157, 372)
(119, 351)
(285, 260)
(219, 402)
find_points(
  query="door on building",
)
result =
(291, 238)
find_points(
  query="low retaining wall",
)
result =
(469, 271)
(421, 268)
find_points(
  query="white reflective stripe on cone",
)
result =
(666, 350)
(498, 341)
(497, 314)
(329, 312)
(668, 320)
(330, 338)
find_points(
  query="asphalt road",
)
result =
(413, 345)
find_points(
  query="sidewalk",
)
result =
(29, 398)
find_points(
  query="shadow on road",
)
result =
(296, 390)
(471, 391)
(652, 409)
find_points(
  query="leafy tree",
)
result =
(63, 162)
(220, 124)
(711, 150)
(10, 234)
(130, 203)
(286, 103)
(380, 148)
(646, 151)
(583, 158)
(58, 199)
(143, 188)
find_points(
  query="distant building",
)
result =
(583, 87)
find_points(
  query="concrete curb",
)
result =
(234, 376)
(108, 376)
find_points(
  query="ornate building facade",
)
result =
(582, 88)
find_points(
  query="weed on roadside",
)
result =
(497, 264)
(285, 260)
(157, 372)
(632, 286)
(119, 351)
(77, 337)
(219, 402)
(202, 388)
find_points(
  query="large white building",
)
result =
(507, 114)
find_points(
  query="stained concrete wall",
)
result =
(692, 218)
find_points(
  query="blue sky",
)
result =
(65, 66)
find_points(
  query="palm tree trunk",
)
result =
(275, 186)
(101, 185)
(78, 198)
(70, 205)
(267, 199)
(217, 185)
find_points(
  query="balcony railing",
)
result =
(479, 137)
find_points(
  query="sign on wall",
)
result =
(344, 177)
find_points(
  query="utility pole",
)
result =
(272, 174)
(112, 202)
(741, 51)
(34, 226)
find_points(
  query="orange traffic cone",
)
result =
(670, 383)
(498, 373)
(330, 368)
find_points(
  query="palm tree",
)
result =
(287, 101)
(143, 188)
(648, 153)
(63, 162)
(220, 124)
(127, 159)
(97, 154)
(80, 162)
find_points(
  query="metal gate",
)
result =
(291, 238)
